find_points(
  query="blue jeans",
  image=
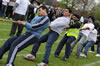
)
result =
(82, 38)
(49, 38)
(2, 11)
(88, 44)
(66, 40)
(98, 47)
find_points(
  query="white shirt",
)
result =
(87, 32)
(4, 2)
(11, 3)
(93, 35)
(22, 7)
(59, 24)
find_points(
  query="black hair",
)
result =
(70, 11)
(78, 16)
(44, 7)
(92, 17)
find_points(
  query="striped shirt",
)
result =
(37, 25)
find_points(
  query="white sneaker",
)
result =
(9, 65)
(6, 17)
(97, 55)
(91, 51)
(10, 18)
(30, 57)
(42, 64)
(83, 55)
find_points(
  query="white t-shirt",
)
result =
(22, 7)
(87, 32)
(59, 24)
(93, 35)
(4, 2)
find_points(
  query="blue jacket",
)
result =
(37, 25)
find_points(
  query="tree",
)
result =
(51, 2)
(65, 3)
(96, 12)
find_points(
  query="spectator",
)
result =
(3, 7)
(19, 12)
(9, 10)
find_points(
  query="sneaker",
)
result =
(11, 19)
(83, 55)
(9, 65)
(64, 58)
(91, 51)
(97, 55)
(30, 57)
(6, 17)
(42, 64)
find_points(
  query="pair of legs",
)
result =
(15, 25)
(2, 10)
(49, 38)
(66, 40)
(16, 44)
(87, 45)
(82, 38)
(98, 47)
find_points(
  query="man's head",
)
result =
(76, 17)
(43, 10)
(91, 19)
(67, 12)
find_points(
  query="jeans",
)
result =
(98, 48)
(66, 40)
(82, 38)
(49, 38)
(2, 11)
(88, 44)
(75, 42)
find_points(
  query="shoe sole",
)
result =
(29, 59)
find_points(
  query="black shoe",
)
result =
(64, 59)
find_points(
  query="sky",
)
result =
(95, 1)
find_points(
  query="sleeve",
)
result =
(59, 23)
(18, 1)
(76, 25)
(36, 26)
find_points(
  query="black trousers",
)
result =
(17, 17)
(9, 11)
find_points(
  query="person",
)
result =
(19, 12)
(90, 42)
(69, 37)
(0, 3)
(56, 27)
(98, 41)
(9, 10)
(3, 7)
(83, 35)
(32, 34)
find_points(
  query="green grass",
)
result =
(20, 61)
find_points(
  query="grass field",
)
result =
(91, 60)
